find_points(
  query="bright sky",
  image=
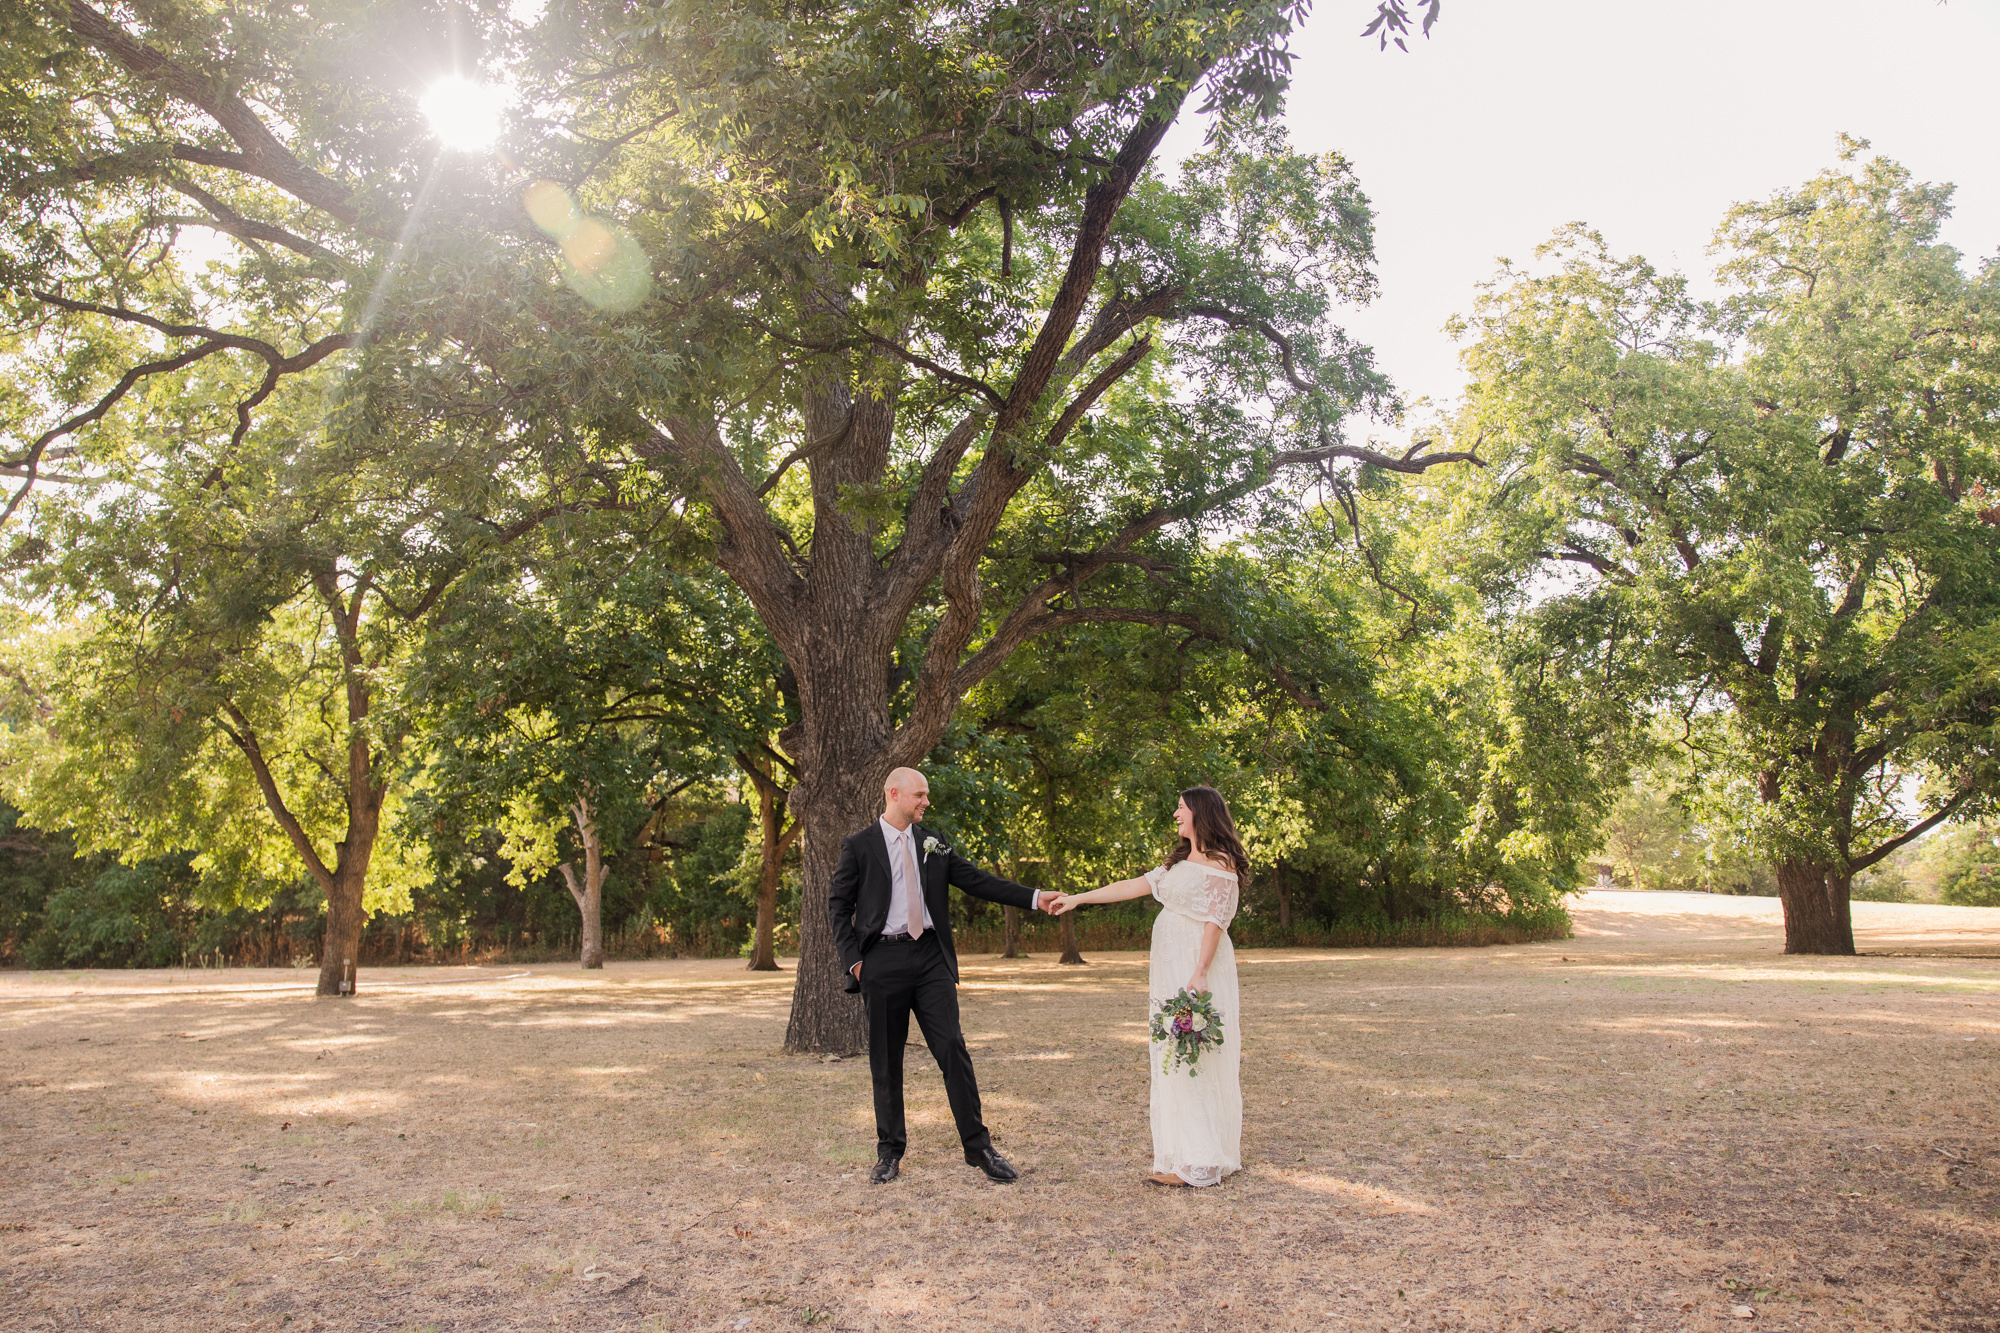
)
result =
(1644, 118)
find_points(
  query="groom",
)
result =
(893, 928)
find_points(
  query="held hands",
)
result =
(1060, 903)
(1046, 900)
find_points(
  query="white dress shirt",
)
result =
(898, 922)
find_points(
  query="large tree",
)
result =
(920, 269)
(1783, 495)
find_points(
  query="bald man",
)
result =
(893, 928)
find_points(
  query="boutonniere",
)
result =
(931, 844)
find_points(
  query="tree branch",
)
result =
(30, 462)
(753, 550)
(1015, 629)
(1100, 209)
(945, 373)
(263, 155)
(805, 451)
(277, 370)
(1092, 391)
(1018, 631)
(245, 738)
(957, 216)
(223, 218)
(1409, 463)
(277, 365)
(1909, 835)
(1154, 570)
(1583, 556)
(1237, 320)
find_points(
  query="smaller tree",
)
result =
(566, 796)
(1648, 839)
(1654, 841)
(230, 712)
(1962, 865)
(613, 692)
(766, 768)
(1782, 497)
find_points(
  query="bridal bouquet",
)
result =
(1188, 1025)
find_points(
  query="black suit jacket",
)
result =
(859, 895)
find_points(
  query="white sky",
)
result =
(1644, 118)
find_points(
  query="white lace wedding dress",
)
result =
(1197, 1119)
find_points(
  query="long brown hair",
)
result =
(1216, 832)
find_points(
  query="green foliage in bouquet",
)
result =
(1188, 1025)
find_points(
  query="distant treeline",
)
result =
(679, 897)
(691, 894)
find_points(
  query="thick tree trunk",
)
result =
(340, 955)
(341, 958)
(1817, 915)
(1012, 915)
(842, 745)
(589, 894)
(1283, 883)
(824, 1017)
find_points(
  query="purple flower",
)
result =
(1181, 1025)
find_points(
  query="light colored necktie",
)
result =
(915, 897)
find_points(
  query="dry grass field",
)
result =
(1662, 1124)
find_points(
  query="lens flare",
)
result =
(465, 114)
(602, 262)
(549, 205)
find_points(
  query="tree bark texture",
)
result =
(348, 880)
(1012, 915)
(589, 893)
(340, 958)
(825, 1018)
(1817, 915)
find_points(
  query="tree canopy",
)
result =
(1782, 497)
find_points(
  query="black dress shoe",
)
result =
(886, 1170)
(994, 1165)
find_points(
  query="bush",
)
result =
(1978, 885)
(1881, 887)
(127, 916)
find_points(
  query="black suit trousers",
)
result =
(898, 979)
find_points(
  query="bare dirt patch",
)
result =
(1652, 1126)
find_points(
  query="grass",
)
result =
(1615, 1133)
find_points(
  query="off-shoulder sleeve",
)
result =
(1195, 892)
(1219, 899)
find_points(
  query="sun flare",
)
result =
(465, 114)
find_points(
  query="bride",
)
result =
(1197, 1118)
